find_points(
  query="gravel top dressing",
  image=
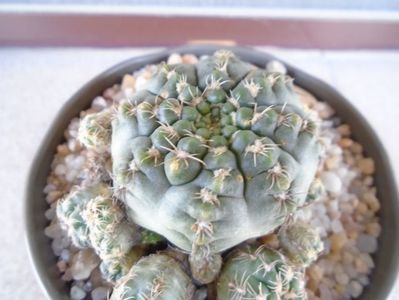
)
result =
(344, 215)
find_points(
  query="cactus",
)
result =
(253, 272)
(95, 130)
(300, 243)
(157, 276)
(94, 219)
(212, 154)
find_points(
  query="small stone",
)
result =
(366, 165)
(367, 243)
(83, 263)
(361, 265)
(50, 213)
(363, 280)
(342, 278)
(53, 231)
(325, 292)
(344, 130)
(53, 196)
(88, 286)
(276, 66)
(62, 150)
(175, 58)
(315, 272)
(99, 103)
(373, 229)
(60, 170)
(77, 293)
(372, 202)
(355, 289)
(67, 275)
(336, 226)
(200, 294)
(100, 293)
(331, 182)
(57, 246)
(65, 255)
(345, 142)
(356, 148)
(128, 81)
(190, 59)
(96, 277)
(331, 162)
(337, 240)
(61, 266)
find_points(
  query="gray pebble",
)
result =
(77, 293)
(367, 243)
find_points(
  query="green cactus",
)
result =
(213, 154)
(95, 130)
(253, 272)
(300, 243)
(157, 276)
(316, 191)
(94, 219)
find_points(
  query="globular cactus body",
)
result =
(157, 276)
(210, 155)
(259, 273)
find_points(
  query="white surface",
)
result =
(34, 83)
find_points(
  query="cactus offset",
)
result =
(210, 155)
(94, 219)
(157, 276)
(253, 272)
(300, 243)
(95, 130)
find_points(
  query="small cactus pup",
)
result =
(300, 243)
(94, 219)
(253, 272)
(157, 276)
(212, 154)
(95, 130)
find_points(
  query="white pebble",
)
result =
(60, 170)
(100, 293)
(355, 289)
(331, 182)
(57, 246)
(99, 103)
(83, 263)
(367, 243)
(65, 255)
(88, 286)
(77, 293)
(53, 231)
(276, 66)
(336, 226)
(175, 58)
(50, 213)
(325, 292)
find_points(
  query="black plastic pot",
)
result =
(42, 257)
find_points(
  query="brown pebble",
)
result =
(373, 229)
(315, 272)
(331, 162)
(344, 130)
(361, 208)
(337, 240)
(372, 202)
(61, 266)
(128, 81)
(62, 150)
(356, 148)
(189, 59)
(366, 165)
(361, 266)
(345, 142)
(53, 196)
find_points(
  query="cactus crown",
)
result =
(213, 148)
